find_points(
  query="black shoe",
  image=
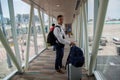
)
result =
(54, 50)
(60, 71)
(63, 67)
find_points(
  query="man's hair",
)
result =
(59, 16)
(53, 24)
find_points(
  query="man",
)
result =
(60, 42)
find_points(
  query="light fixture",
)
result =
(58, 5)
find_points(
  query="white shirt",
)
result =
(59, 35)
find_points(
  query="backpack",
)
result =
(76, 57)
(52, 40)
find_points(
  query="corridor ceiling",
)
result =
(57, 7)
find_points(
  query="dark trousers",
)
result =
(59, 57)
(54, 47)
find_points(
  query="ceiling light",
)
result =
(58, 5)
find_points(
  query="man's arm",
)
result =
(59, 36)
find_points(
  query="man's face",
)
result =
(60, 20)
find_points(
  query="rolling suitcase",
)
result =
(74, 63)
(73, 72)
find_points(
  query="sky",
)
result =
(20, 7)
(113, 10)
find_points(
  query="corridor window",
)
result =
(108, 59)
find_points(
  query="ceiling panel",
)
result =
(65, 8)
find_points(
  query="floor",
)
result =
(42, 68)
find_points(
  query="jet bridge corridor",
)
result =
(94, 27)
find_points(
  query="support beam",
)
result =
(4, 32)
(28, 38)
(14, 31)
(55, 20)
(73, 29)
(9, 61)
(49, 23)
(35, 34)
(81, 28)
(76, 31)
(42, 25)
(85, 37)
(96, 6)
(9, 51)
(100, 22)
(78, 28)
(52, 19)
(86, 10)
(43, 19)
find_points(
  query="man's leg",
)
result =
(57, 61)
(58, 58)
(61, 57)
(54, 48)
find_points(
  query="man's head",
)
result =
(60, 19)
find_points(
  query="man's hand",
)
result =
(72, 44)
